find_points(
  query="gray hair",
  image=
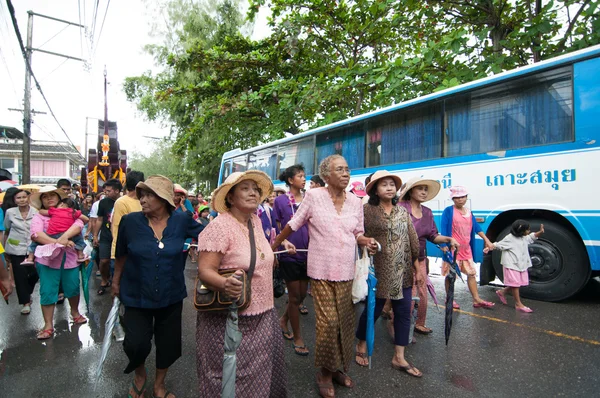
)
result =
(325, 166)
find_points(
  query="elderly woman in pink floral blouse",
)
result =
(335, 226)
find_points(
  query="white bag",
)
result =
(360, 289)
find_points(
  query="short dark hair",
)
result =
(132, 178)
(317, 180)
(63, 182)
(519, 228)
(194, 203)
(290, 172)
(374, 199)
(368, 179)
(114, 183)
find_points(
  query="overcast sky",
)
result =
(73, 89)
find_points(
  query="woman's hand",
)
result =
(454, 245)
(289, 246)
(233, 286)
(369, 243)
(63, 240)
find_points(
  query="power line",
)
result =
(24, 52)
(67, 150)
(101, 27)
(12, 83)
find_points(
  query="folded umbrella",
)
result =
(113, 317)
(450, 280)
(233, 339)
(370, 335)
(431, 290)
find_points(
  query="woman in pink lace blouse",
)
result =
(225, 244)
(335, 226)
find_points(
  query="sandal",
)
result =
(45, 334)
(300, 347)
(455, 305)
(423, 330)
(80, 320)
(103, 288)
(325, 387)
(342, 379)
(407, 369)
(140, 392)
(288, 335)
(362, 355)
(524, 309)
(303, 310)
(483, 304)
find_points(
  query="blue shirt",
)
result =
(154, 277)
(1, 220)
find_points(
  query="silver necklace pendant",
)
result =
(161, 245)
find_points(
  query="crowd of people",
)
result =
(142, 238)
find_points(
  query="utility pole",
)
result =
(26, 173)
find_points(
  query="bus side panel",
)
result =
(586, 89)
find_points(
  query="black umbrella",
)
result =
(450, 279)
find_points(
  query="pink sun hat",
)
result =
(358, 189)
(458, 192)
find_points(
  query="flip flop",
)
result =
(103, 288)
(406, 369)
(303, 310)
(342, 379)
(424, 330)
(501, 297)
(524, 309)
(300, 347)
(287, 335)
(324, 386)
(45, 334)
(362, 355)
(483, 304)
(455, 305)
(80, 320)
(137, 392)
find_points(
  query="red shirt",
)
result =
(61, 220)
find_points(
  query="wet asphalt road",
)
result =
(492, 353)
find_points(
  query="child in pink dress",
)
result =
(460, 223)
(61, 219)
(515, 260)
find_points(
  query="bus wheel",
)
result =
(560, 263)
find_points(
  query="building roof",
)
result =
(10, 132)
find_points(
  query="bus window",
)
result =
(412, 135)
(264, 160)
(240, 164)
(225, 171)
(350, 143)
(298, 152)
(535, 110)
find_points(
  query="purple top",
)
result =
(282, 214)
(425, 227)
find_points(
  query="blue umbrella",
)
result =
(372, 283)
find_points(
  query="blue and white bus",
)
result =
(526, 144)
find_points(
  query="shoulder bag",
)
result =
(206, 299)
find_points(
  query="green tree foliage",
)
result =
(162, 161)
(329, 60)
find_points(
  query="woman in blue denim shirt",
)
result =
(149, 279)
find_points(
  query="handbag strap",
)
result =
(252, 249)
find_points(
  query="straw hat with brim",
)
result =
(433, 187)
(179, 189)
(35, 199)
(159, 185)
(260, 178)
(378, 175)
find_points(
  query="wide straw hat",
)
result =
(432, 185)
(35, 199)
(179, 189)
(378, 175)
(260, 178)
(159, 185)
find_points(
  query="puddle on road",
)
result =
(463, 382)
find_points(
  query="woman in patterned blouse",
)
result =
(395, 264)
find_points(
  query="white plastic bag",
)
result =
(360, 289)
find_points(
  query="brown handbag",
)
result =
(206, 299)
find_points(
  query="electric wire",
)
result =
(68, 152)
(101, 27)
(58, 33)
(28, 65)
